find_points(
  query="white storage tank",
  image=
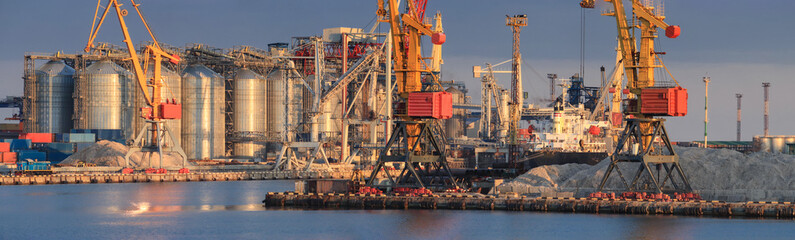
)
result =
(203, 119)
(250, 111)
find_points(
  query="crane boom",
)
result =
(157, 110)
(153, 51)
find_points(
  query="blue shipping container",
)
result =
(31, 154)
(20, 144)
(79, 137)
(8, 140)
(57, 157)
(61, 147)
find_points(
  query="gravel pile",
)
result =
(706, 169)
(109, 153)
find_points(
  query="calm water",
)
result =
(233, 210)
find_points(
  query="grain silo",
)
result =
(202, 113)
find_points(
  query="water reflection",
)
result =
(146, 208)
(661, 227)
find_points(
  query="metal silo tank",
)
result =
(202, 113)
(766, 144)
(454, 127)
(250, 116)
(778, 144)
(53, 103)
(276, 105)
(171, 90)
(102, 97)
(329, 121)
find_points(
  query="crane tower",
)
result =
(516, 23)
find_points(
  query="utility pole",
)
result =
(706, 105)
(516, 23)
(739, 115)
(766, 85)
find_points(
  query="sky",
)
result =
(738, 44)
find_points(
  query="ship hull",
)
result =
(536, 159)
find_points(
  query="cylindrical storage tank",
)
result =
(454, 127)
(504, 98)
(171, 90)
(766, 144)
(53, 104)
(103, 98)
(202, 113)
(779, 144)
(276, 110)
(250, 111)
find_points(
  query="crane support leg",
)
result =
(645, 144)
(422, 155)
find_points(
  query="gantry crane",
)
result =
(416, 143)
(644, 139)
(151, 88)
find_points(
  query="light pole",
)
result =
(706, 108)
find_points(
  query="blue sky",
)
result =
(739, 44)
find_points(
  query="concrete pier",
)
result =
(778, 210)
(68, 178)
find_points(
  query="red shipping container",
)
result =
(9, 157)
(5, 147)
(170, 111)
(37, 137)
(664, 101)
(437, 105)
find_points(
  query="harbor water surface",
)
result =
(233, 210)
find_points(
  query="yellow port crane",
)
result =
(416, 142)
(644, 139)
(151, 88)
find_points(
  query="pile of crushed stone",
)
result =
(109, 153)
(706, 169)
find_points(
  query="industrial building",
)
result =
(240, 103)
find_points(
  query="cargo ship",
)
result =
(560, 135)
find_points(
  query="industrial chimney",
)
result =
(739, 115)
(767, 108)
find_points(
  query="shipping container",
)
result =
(9, 127)
(5, 147)
(9, 157)
(60, 147)
(104, 134)
(79, 137)
(664, 101)
(57, 157)
(37, 137)
(32, 155)
(20, 144)
(437, 105)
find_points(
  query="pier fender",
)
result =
(786, 211)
